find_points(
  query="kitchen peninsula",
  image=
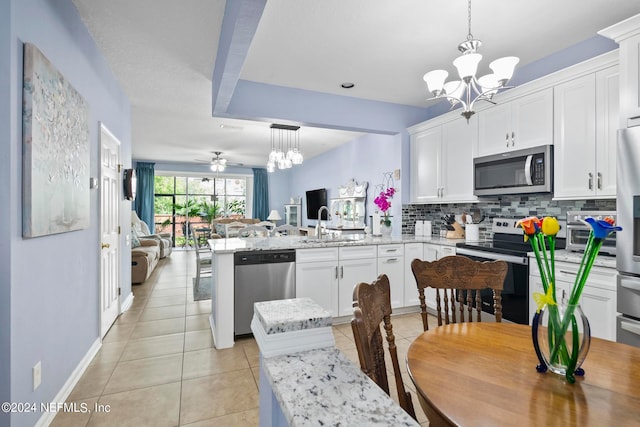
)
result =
(326, 271)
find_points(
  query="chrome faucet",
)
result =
(319, 225)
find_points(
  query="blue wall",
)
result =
(8, 176)
(49, 294)
(364, 160)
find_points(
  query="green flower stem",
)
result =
(541, 269)
(581, 279)
(552, 249)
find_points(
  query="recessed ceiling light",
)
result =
(347, 85)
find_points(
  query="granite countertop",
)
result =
(323, 387)
(291, 315)
(576, 257)
(302, 242)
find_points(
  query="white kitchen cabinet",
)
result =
(317, 277)
(356, 264)
(627, 35)
(426, 157)
(442, 162)
(412, 251)
(598, 299)
(328, 275)
(391, 263)
(586, 111)
(514, 125)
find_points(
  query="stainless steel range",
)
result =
(507, 244)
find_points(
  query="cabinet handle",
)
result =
(568, 272)
(507, 138)
(599, 180)
(513, 139)
(341, 272)
(390, 260)
(590, 181)
(336, 271)
(390, 250)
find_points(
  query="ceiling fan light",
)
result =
(435, 81)
(503, 68)
(467, 65)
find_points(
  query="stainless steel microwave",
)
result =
(514, 172)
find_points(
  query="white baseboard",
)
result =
(73, 379)
(127, 303)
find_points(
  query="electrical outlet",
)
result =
(37, 375)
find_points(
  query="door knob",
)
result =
(105, 245)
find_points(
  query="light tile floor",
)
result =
(158, 367)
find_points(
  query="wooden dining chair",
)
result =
(461, 281)
(371, 307)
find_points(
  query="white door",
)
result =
(319, 281)
(532, 120)
(109, 250)
(459, 140)
(352, 272)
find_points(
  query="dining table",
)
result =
(484, 374)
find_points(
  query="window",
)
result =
(190, 202)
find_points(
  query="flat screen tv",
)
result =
(316, 199)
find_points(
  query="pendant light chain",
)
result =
(469, 35)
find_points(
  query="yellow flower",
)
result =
(542, 299)
(550, 226)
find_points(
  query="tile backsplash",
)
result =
(505, 206)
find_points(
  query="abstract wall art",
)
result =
(56, 163)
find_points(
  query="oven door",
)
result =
(515, 294)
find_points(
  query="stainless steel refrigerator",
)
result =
(628, 241)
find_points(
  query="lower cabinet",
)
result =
(328, 275)
(391, 263)
(598, 299)
(317, 277)
(412, 251)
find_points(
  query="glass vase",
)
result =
(561, 338)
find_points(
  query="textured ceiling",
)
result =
(163, 53)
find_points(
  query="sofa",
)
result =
(140, 230)
(145, 254)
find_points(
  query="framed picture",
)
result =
(55, 184)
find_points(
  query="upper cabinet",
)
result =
(627, 35)
(442, 162)
(521, 123)
(585, 123)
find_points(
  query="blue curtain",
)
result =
(145, 193)
(260, 193)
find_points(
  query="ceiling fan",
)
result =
(217, 163)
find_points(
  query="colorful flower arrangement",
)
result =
(384, 204)
(541, 233)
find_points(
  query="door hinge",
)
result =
(119, 167)
(118, 229)
(119, 291)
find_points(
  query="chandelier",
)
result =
(470, 89)
(218, 164)
(285, 147)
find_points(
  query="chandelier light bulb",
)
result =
(467, 65)
(503, 68)
(271, 166)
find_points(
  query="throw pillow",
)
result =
(135, 240)
(220, 229)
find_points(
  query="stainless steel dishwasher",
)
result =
(261, 276)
